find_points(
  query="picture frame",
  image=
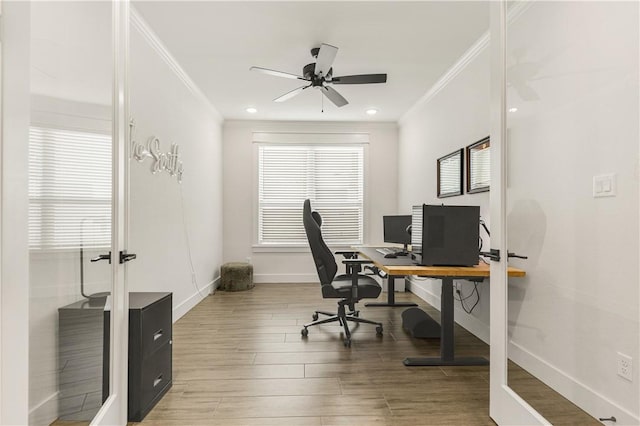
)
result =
(449, 174)
(478, 156)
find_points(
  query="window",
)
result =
(330, 176)
(479, 166)
(449, 169)
(69, 189)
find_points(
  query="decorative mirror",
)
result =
(479, 166)
(450, 174)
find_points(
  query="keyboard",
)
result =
(388, 250)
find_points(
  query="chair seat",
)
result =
(340, 288)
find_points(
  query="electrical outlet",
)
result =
(625, 366)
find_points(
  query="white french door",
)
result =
(505, 406)
(64, 189)
(114, 408)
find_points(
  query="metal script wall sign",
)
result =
(169, 161)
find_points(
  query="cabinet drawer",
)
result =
(156, 375)
(156, 326)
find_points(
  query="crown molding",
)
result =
(156, 44)
(515, 12)
(451, 73)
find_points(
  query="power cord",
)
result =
(463, 299)
(194, 280)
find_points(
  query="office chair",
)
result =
(349, 288)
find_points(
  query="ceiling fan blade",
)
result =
(326, 55)
(290, 94)
(277, 73)
(360, 79)
(334, 96)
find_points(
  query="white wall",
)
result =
(452, 118)
(164, 213)
(240, 208)
(578, 305)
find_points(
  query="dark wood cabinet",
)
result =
(150, 351)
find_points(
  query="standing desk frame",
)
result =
(405, 267)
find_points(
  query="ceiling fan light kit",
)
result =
(319, 74)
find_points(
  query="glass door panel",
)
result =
(70, 208)
(572, 206)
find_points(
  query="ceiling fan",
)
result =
(320, 75)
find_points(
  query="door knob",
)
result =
(102, 257)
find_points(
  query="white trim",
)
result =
(313, 138)
(285, 248)
(190, 302)
(589, 400)
(466, 58)
(156, 44)
(469, 322)
(114, 410)
(14, 281)
(285, 278)
(46, 412)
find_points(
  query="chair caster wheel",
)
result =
(314, 317)
(347, 343)
(379, 330)
(304, 332)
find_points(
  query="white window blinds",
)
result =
(480, 173)
(330, 176)
(69, 189)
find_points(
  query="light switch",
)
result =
(604, 185)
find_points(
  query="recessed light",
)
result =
(252, 110)
(514, 109)
(372, 111)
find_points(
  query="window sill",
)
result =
(284, 248)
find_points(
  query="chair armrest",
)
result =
(348, 254)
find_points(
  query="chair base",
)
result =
(343, 318)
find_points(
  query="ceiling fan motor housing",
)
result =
(309, 72)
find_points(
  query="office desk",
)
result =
(404, 266)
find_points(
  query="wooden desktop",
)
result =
(403, 266)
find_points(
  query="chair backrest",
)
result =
(322, 256)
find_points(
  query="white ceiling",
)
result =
(413, 42)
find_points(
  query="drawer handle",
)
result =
(157, 381)
(157, 335)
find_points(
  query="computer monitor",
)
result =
(395, 229)
(450, 235)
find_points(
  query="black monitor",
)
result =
(450, 235)
(395, 229)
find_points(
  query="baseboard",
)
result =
(583, 396)
(580, 394)
(194, 299)
(46, 412)
(285, 278)
(466, 321)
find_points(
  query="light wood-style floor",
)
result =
(239, 359)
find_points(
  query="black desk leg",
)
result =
(447, 338)
(391, 296)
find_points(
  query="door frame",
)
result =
(14, 205)
(505, 405)
(114, 409)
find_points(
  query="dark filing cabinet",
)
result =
(150, 344)
(150, 351)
